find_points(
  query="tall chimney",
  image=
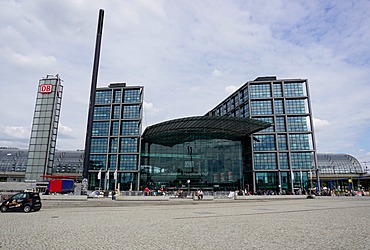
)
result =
(92, 94)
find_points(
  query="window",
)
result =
(261, 107)
(227, 107)
(97, 162)
(99, 145)
(100, 128)
(260, 90)
(114, 128)
(234, 101)
(295, 106)
(266, 143)
(101, 113)
(245, 92)
(284, 161)
(242, 96)
(130, 128)
(219, 111)
(267, 119)
(299, 142)
(131, 112)
(279, 108)
(278, 92)
(128, 162)
(301, 160)
(117, 96)
(112, 162)
(129, 145)
(103, 97)
(116, 112)
(280, 124)
(265, 161)
(266, 180)
(244, 111)
(293, 89)
(282, 142)
(113, 145)
(132, 95)
(297, 123)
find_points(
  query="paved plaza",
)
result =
(321, 223)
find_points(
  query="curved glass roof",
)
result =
(15, 160)
(187, 129)
(338, 164)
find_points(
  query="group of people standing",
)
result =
(154, 192)
(114, 194)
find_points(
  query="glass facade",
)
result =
(286, 149)
(44, 129)
(208, 164)
(116, 131)
(197, 152)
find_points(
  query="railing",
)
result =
(176, 194)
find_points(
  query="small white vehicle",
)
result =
(95, 194)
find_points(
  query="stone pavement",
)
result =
(321, 223)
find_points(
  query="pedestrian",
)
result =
(200, 194)
(113, 195)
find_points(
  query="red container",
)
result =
(61, 186)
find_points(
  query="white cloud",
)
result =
(64, 129)
(18, 132)
(149, 108)
(217, 73)
(189, 56)
(230, 89)
(32, 60)
(319, 123)
(14, 136)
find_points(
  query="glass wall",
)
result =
(267, 183)
(209, 164)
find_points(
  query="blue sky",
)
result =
(188, 55)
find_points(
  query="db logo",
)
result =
(46, 88)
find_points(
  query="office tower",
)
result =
(115, 140)
(282, 157)
(44, 129)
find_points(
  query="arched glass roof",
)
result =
(15, 160)
(338, 164)
(187, 129)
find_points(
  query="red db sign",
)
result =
(46, 88)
